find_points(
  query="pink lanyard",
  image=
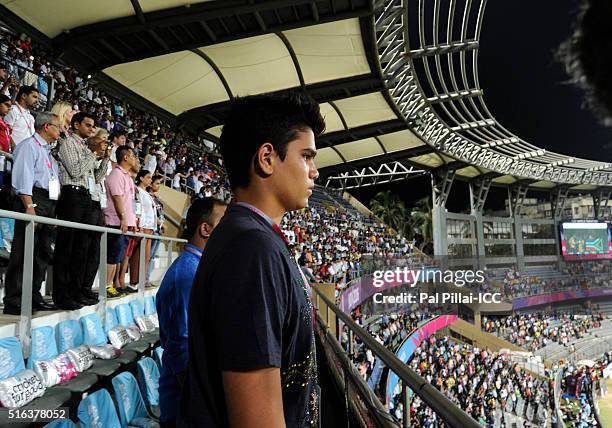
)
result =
(27, 122)
(47, 160)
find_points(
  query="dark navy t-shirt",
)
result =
(249, 309)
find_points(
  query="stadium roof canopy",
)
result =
(397, 80)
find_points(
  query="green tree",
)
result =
(422, 222)
(392, 211)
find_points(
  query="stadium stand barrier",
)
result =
(24, 329)
(328, 317)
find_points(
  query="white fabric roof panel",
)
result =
(333, 122)
(215, 130)
(254, 65)
(504, 179)
(360, 149)
(365, 109)
(468, 171)
(53, 17)
(400, 140)
(176, 82)
(154, 5)
(327, 157)
(431, 160)
(544, 184)
(329, 51)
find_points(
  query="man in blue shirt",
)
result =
(173, 299)
(36, 183)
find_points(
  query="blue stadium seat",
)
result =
(149, 305)
(94, 335)
(44, 348)
(11, 363)
(158, 353)
(148, 377)
(126, 314)
(137, 309)
(140, 346)
(61, 423)
(70, 335)
(97, 410)
(132, 409)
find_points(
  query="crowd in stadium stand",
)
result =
(329, 244)
(478, 380)
(164, 149)
(536, 330)
(583, 383)
(580, 274)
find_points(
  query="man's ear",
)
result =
(205, 230)
(264, 159)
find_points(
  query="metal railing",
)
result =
(25, 322)
(448, 411)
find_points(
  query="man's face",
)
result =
(53, 129)
(293, 179)
(86, 128)
(119, 141)
(3, 74)
(31, 99)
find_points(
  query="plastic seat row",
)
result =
(136, 406)
(72, 334)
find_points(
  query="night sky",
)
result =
(526, 90)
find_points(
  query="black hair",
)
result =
(587, 56)
(25, 90)
(80, 117)
(117, 134)
(199, 212)
(121, 152)
(141, 174)
(257, 119)
(3, 66)
(4, 98)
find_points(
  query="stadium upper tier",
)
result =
(397, 81)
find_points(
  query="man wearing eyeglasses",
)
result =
(79, 173)
(35, 180)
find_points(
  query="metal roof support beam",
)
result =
(442, 181)
(558, 198)
(502, 142)
(473, 125)
(453, 96)
(600, 201)
(531, 154)
(445, 48)
(479, 190)
(370, 176)
(517, 194)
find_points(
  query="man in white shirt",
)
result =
(150, 161)
(20, 118)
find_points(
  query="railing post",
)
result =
(406, 405)
(25, 322)
(142, 269)
(169, 254)
(351, 349)
(102, 279)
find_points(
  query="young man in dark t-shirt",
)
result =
(252, 360)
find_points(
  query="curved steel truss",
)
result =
(370, 176)
(428, 53)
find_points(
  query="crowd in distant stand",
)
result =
(583, 384)
(477, 380)
(536, 330)
(329, 244)
(574, 275)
